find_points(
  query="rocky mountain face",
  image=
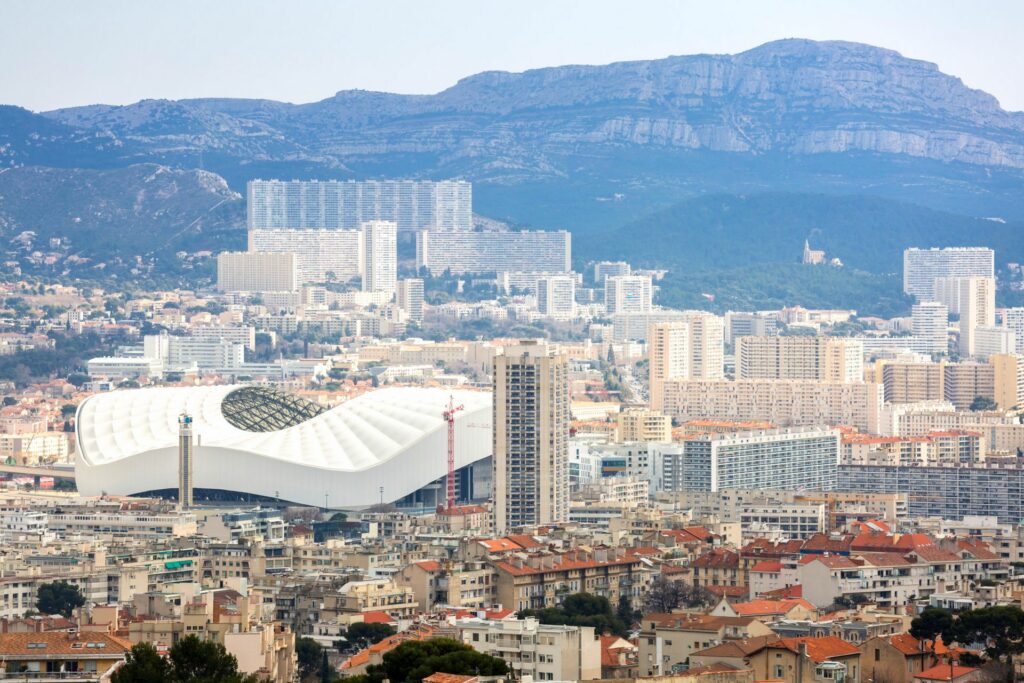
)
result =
(588, 148)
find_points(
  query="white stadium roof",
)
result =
(393, 438)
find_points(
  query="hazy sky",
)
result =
(72, 52)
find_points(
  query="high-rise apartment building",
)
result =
(963, 382)
(641, 424)
(921, 267)
(556, 296)
(688, 347)
(781, 402)
(1008, 379)
(668, 358)
(911, 382)
(989, 341)
(627, 294)
(606, 269)
(410, 298)
(445, 205)
(749, 324)
(380, 256)
(974, 300)
(248, 271)
(930, 321)
(531, 436)
(831, 359)
(788, 459)
(323, 255)
(1013, 320)
(186, 462)
(494, 252)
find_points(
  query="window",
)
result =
(878, 654)
(476, 639)
(780, 671)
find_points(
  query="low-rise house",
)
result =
(899, 658)
(668, 640)
(547, 652)
(807, 660)
(45, 656)
(618, 658)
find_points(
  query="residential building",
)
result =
(974, 300)
(531, 436)
(627, 294)
(667, 641)
(963, 382)
(949, 492)
(1013, 320)
(911, 382)
(689, 347)
(380, 256)
(642, 424)
(795, 660)
(899, 658)
(1008, 379)
(783, 521)
(544, 652)
(492, 252)
(830, 359)
(410, 298)
(930, 321)
(989, 341)
(444, 206)
(57, 655)
(789, 459)
(921, 267)
(749, 324)
(536, 581)
(606, 269)
(556, 296)
(782, 402)
(257, 271)
(322, 255)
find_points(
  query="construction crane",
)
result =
(449, 417)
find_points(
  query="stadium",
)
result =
(253, 442)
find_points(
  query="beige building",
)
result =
(782, 402)
(1008, 380)
(687, 347)
(668, 640)
(378, 595)
(257, 271)
(546, 652)
(467, 585)
(963, 382)
(807, 660)
(641, 424)
(531, 436)
(34, 449)
(832, 359)
(538, 581)
(911, 382)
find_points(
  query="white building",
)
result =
(494, 252)
(556, 296)
(989, 341)
(930, 321)
(187, 353)
(253, 271)
(974, 300)
(322, 255)
(544, 652)
(380, 251)
(1013, 319)
(444, 205)
(116, 367)
(750, 324)
(409, 297)
(627, 294)
(921, 267)
(606, 269)
(783, 521)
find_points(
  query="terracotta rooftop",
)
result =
(944, 672)
(759, 608)
(909, 645)
(88, 645)
(718, 558)
(737, 649)
(819, 649)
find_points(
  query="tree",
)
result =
(1001, 629)
(983, 403)
(368, 634)
(931, 623)
(326, 670)
(190, 660)
(414, 660)
(625, 612)
(58, 597)
(308, 653)
(77, 379)
(143, 664)
(665, 595)
(582, 609)
(67, 410)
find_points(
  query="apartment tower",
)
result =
(531, 436)
(380, 260)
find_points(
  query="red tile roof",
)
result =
(441, 677)
(103, 645)
(819, 649)
(377, 618)
(565, 562)
(718, 558)
(796, 591)
(909, 645)
(728, 591)
(770, 566)
(944, 672)
(761, 608)
(429, 565)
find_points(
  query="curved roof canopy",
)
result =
(261, 409)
